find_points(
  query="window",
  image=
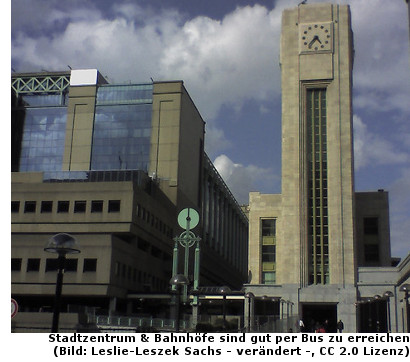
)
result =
(79, 206)
(29, 206)
(114, 205)
(90, 265)
(317, 213)
(268, 278)
(15, 206)
(46, 206)
(71, 265)
(268, 227)
(371, 225)
(268, 241)
(97, 205)
(48, 125)
(63, 206)
(15, 264)
(33, 265)
(268, 253)
(51, 265)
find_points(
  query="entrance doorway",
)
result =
(319, 314)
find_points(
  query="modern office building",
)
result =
(319, 247)
(113, 165)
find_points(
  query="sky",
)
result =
(227, 54)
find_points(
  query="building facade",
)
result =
(113, 165)
(307, 243)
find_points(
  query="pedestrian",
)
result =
(301, 325)
(340, 326)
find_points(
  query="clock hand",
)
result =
(313, 40)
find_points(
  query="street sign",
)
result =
(14, 307)
(188, 215)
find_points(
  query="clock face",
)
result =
(316, 37)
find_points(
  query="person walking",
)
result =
(340, 326)
(301, 326)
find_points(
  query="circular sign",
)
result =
(188, 215)
(14, 307)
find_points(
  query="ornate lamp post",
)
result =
(179, 281)
(61, 244)
(388, 294)
(224, 291)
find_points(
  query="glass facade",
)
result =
(122, 128)
(43, 119)
(121, 131)
(318, 238)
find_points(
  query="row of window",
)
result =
(64, 206)
(268, 236)
(71, 265)
(138, 276)
(154, 221)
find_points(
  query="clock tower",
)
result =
(317, 156)
(302, 242)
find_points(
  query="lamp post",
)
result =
(370, 300)
(250, 296)
(179, 281)
(377, 299)
(61, 244)
(264, 299)
(224, 291)
(388, 294)
(405, 288)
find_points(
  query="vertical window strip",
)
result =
(317, 185)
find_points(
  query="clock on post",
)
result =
(316, 38)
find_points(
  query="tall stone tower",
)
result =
(317, 146)
(302, 242)
(317, 154)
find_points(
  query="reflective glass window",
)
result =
(117, 94)
(42, 100)
(122, 136)
(42, 144)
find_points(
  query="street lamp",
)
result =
(61, 244)
(250, 296)
(179, 281)
(376, 299)
(224, 291)
(264, 299)
(369, 301)
(405, 288)
(388, 294)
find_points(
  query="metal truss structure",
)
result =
(40, 84)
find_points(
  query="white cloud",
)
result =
(242, 179)
(370, 148)
(221, 62)
(215, 141)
